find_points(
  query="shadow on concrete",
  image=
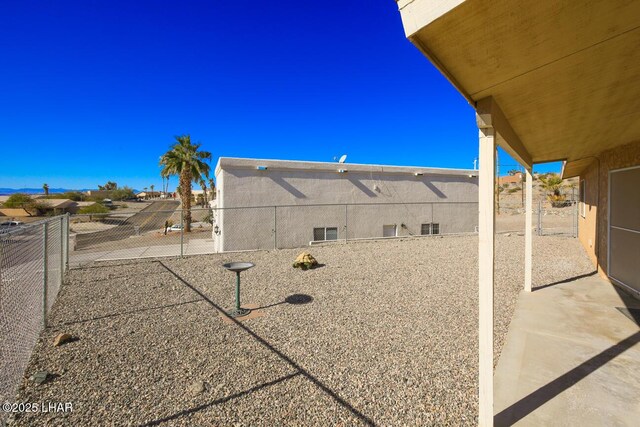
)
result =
(299, 370)
(533, 401)
(570, 279)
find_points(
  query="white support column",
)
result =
(486, 237)
(528, 233)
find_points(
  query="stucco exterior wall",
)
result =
(280, 206)
(595, 226)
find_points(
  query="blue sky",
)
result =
(95, 91)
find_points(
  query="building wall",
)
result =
(594, 228)
(284, 202)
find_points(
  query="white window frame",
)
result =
(428, 233)
(430, 225)
(395, 229)
(324, 230)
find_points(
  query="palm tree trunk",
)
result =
(185, 185)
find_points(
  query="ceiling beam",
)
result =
(490, 115)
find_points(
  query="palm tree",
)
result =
(45, 187)
(152, 187)
(187, 161)
(552, 184)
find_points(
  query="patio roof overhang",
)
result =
(565, 75)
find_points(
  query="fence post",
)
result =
(61, 249)
(539, 217)
(66, 258)
(575, 220)
(346, 223)
(182, 232)
(275, 227)
(44, 273)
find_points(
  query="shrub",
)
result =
(96, 209)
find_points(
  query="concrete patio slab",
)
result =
(571, 357)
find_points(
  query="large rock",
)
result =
(305, 261)
(62, 339)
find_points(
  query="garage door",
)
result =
(624, 227)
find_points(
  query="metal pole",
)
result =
(61, 249)
(44, 273)
(346, 223)
(539, 217)
(182, 233)
(237, 291)
(275, 229)
(66, 258)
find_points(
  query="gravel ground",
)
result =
(388, 339)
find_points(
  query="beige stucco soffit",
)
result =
(490, 116)
(417, 14)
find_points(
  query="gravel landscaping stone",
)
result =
(382, 332)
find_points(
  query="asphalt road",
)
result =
(152, 217)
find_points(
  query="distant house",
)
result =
(262, 204)
(98, 193)
(45, 207)
(510, 179)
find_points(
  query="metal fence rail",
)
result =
(281, 227)
(33, 261)
(557, 221)
(158, 233)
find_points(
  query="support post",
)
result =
(528, 233)
(275, 227)
(486, 237)
(182, 233)
(346, 223)
(45, 227)
(61, 249)
(237, 291)
(66, 257)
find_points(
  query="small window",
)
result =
(583, 198)
(389, 230)
(425, 229)
(325, 233)
(331, 233)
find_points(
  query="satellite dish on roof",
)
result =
(343, 158)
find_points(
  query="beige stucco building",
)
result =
(266, 204)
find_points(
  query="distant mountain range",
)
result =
(10, 191)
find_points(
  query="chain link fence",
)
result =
(152, 233)
(559, 220)
(281, 227)
(33, 261)
(149, 233)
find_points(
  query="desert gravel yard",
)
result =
(389, 337)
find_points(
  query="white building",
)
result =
(266, 204)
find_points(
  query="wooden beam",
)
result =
(486, 248)
(490, 115)
(528, 234)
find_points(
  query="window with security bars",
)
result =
(325, 233)
(432, 228)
